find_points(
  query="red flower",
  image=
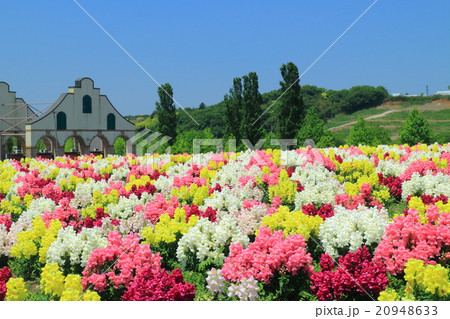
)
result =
(150, 285)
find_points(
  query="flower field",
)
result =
(349, 223)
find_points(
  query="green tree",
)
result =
(120, 146)
(251, 108)
(234, 108)
(381, 136)
(167, 112)
(185, 141)
(202, 106)
(69, 145)
(363, 96)
(312, 127)
(416, 130)
(361, 133)
(9, 145)
(327, 140)
(290, 112)
(40, 146)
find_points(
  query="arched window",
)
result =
(61, 121)
(87, 104)
(111, 122)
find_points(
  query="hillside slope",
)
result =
(392, 116)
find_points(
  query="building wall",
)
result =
(13, 113)
(10, 106)
(84, 127)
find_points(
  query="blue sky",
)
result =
(200, 46)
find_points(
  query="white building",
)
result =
(82, 113)
(443, 93)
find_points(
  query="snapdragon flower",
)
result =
(75, 246)
(246, 290)
(207, 240)
(430, 184)
(352, 229)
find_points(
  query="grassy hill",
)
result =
(390, 115)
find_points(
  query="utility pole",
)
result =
(427, 89)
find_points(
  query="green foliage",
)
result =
(167, 113)
(287, 287)
(11, 144)
(168, 252)
(242, 109)
(185, 141)
(202, 106)
(198, 279)
(212, 117)
(362, 133)
(69, 145)
(251, 108)
(149, 122)
(120, 146)
(234, 109)
(40, 146)
(38, 295)
(416, 130)
(291, 109)
(380, 136)
(327, 140)
(416, 100)
(311, 94)
(27, 268)
(328, 104)
(312, 127)
(363, 96)
(193, 264)
(395, 207)
(443, 138)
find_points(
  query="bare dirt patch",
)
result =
(392, 107)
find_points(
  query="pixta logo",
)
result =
(146, 142)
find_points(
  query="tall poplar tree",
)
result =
(251, 110)
(167, 112)
(291, 109)
(233, 112)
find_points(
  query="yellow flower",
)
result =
(208, 174)
(48, 239)
(15, 290)
(432, 278)
(388, 295)
(91, 296)
(169, 229)
(443, 208)
(73, 290)
(285, 188)
(294, 222)
(435, 279)
(417, 203)
(52, 280)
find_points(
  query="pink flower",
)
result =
(267, 255)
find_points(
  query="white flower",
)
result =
(124, 208)
(215, 282)
(246, 290)
(438, 184)
(77, 247)
(207, 240)
(352, 228)
(37, 208)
